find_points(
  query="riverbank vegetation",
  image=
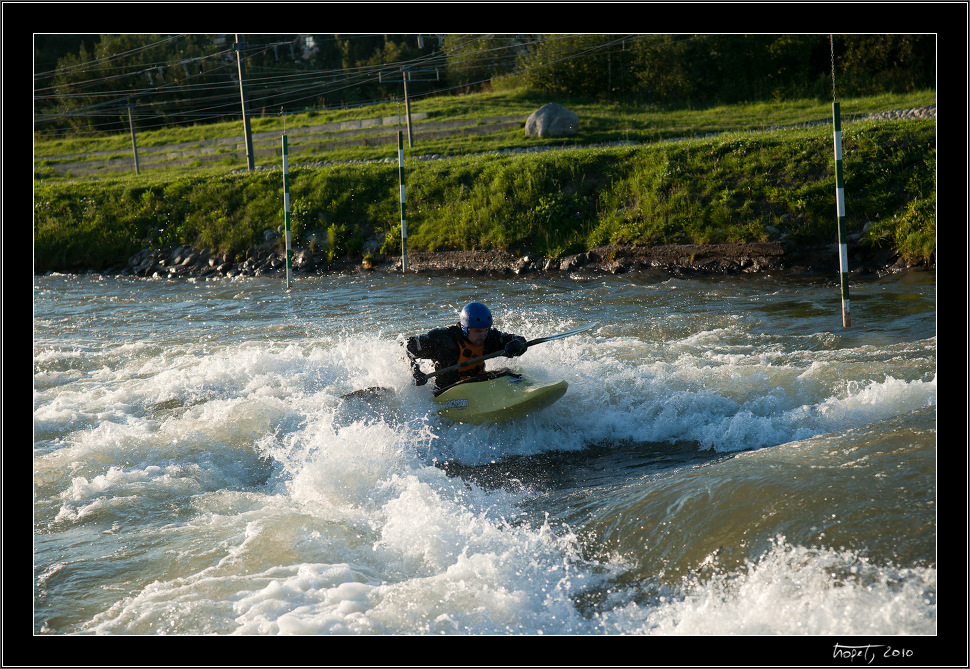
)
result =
(638, 172)
(732, 187)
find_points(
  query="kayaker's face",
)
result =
(477, 335)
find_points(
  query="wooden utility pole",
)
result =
(134, 144)
(407, 75)
(239, 46)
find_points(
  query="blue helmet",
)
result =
(475, 315)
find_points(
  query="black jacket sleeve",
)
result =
(496, 341)
(439, 345)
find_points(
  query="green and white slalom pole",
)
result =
(286, 211)
(840, 210)
(404, 223)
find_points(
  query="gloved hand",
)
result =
(420, 378)
(515, 347)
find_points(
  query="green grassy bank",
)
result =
(750, 185)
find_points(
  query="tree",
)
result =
(576, 65)
(473, 60)
(875, 63)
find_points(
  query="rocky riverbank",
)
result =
(669, 260)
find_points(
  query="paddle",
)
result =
(372, 392)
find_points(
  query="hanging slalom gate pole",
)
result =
(840, 195)
(840, 210)
(286, 211)
(404, 223)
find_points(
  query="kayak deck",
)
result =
(496, 396)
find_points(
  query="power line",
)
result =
(295, 87)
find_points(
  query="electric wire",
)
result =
(211, 101)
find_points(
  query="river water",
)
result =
(728, 460)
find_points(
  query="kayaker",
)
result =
(472, 337)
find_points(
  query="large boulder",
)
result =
(551, 120)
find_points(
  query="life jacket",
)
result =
(468, 351)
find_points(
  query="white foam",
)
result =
(270, 505)
(793, 590)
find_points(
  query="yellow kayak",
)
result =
(496, 396)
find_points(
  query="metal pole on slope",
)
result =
(286, 211)
(840, 197)
(404, 222)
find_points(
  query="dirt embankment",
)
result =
(661, 261)
(673, 260)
